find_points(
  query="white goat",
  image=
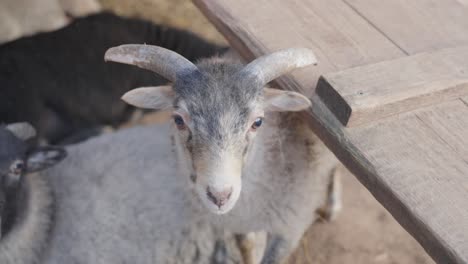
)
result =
(138, 196)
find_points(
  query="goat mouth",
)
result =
(222, 210)
(215, 209)
(218, 210)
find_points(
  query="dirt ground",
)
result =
(364, 232)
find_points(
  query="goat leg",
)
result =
(333, 203)
(278, 249)
(252, 246)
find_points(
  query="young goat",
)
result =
(141, 192)
(25, 199)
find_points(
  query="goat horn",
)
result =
(23, 131)
(162, 61)
(271, 66)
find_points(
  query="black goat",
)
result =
(25, 196)
(59, 82)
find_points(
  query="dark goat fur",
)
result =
(60, 83)
(25, 198)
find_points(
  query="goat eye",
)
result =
(17, 167)
(179, 121)
(257, 123)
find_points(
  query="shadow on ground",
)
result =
(364, 232)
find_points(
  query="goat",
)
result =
(143, 191)
(67, 87)
(27, 215)
(25, 197)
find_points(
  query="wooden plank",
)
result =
(258, 27)
(367, 93)
(450, 122)
(340, 41)
(420, 158)
(418, 25)
(353, 145)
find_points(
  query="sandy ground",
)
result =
(364, 231)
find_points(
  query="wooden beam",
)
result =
(367, 93)
(418, 158)
(420, 180)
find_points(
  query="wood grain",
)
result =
(422, 158)
(367, 93)
(340, 41)
(386, 155)
(418, 25)
(449, 121)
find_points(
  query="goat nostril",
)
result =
(211, 197)
(219, 198)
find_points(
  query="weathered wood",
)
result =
(418, 25)
(408, 167)
(424, 191)
(420, 157)
(340, 41)
(364, 94)
(450, 122)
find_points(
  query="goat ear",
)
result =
(159, 97)
(44, 157)
(22, 131)
(283, 101)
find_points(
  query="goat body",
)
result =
(124, 197)
(142, 194)
(120, 201)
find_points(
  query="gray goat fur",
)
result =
(109, 212)
(28, 215)
(128, 197)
